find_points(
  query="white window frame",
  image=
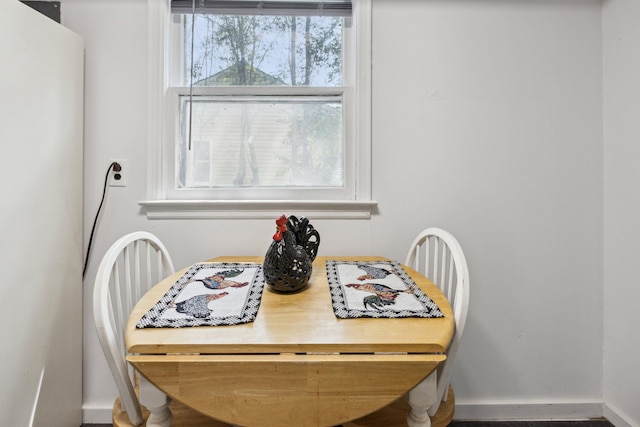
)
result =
(164, 202)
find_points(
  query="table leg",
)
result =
(420, 398)
(157, 403)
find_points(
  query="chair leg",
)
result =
(157, 403)
(420, 399)
(159, 417)
(444, 415)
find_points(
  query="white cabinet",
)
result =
(41, 115)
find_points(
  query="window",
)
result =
(267, 103)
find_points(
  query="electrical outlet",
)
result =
(118, 178)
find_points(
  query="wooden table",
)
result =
(296, 364)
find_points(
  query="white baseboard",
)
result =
(512, 411)
(96, 415)
(616, 417)
(475, 411)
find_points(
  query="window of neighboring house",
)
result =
(267, 106)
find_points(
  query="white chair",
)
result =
(437, 255)
(131, 266)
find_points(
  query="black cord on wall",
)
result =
(113, 166)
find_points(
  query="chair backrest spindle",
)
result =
(450, 281)
(136, 278)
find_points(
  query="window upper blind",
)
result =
(265, 7)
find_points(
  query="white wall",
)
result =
(622, 210)
(487, 121)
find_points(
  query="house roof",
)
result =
(230, 77)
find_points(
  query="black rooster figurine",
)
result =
(287, 263)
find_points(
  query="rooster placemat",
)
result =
(376, 289)
(209, 294)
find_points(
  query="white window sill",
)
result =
(257, 209)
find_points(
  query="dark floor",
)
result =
(588, 423)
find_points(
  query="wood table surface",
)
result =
(296, 364)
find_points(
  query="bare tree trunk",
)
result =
(241, 173)
(307, 50)
(294, 123)
(253, 162)
(304, 139)
(292, 50)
